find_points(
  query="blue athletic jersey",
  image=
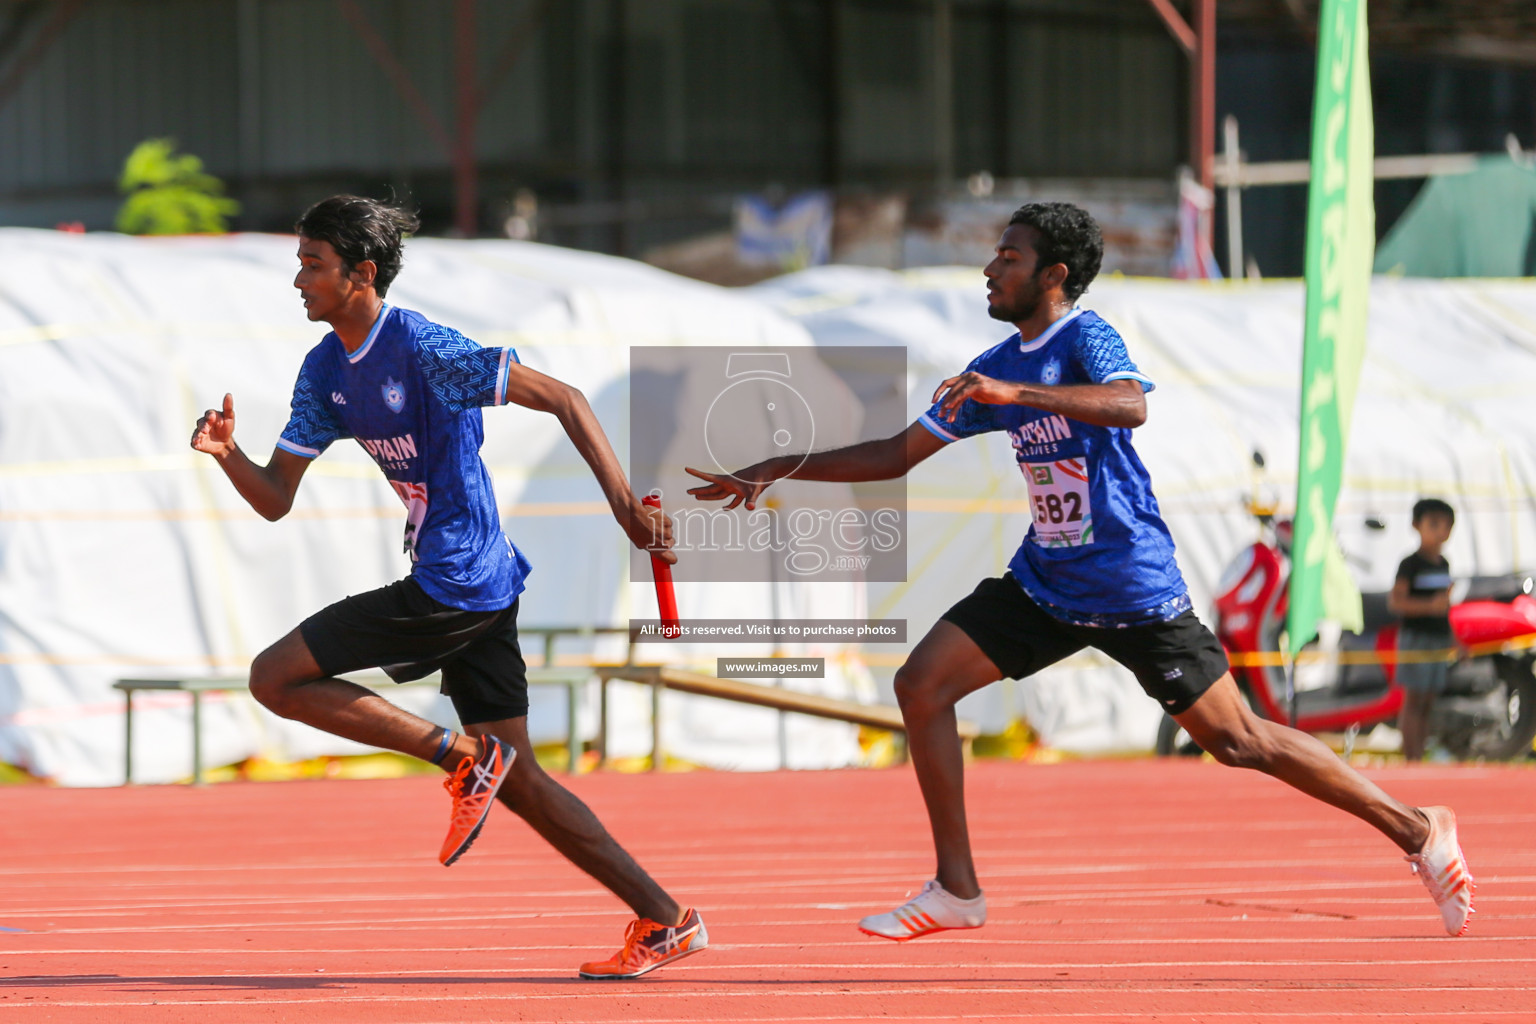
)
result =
(1097, 552)
(411, 396)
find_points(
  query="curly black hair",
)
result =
(1064, 234)
(361, 229)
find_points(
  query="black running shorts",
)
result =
(409, 634)
(1175, 661)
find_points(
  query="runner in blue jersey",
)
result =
(1096, 569)
(409, 392)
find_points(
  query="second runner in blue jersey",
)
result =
(1097, 551)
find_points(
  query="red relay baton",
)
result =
(661, 572)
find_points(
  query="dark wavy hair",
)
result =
(1064, 234)
(361, 229)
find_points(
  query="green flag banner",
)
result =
(1341, 239)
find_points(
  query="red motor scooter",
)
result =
(1487, 711)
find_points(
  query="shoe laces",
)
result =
(454, 783)
(924, 896)
(640, 929)
(466, 812)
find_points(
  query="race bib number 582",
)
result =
(1058, 496)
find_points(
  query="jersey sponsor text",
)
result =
(391, 452)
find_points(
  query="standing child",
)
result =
(1421, 596)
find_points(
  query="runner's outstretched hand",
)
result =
(720, 486)
(215, 431)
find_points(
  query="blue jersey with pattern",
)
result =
(1097, 552)
(411, 396)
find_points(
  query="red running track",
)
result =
(1121, 891)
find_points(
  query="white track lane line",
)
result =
(652, 992)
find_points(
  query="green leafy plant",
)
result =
(170, 194)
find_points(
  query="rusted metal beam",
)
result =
(1177, 26)
(1202, 129)
(63, 13)
(385, 58)
(518, 38)
(1199, 44)
(470, 96)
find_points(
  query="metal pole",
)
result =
(658, 756)
(1234, 161)
(1202, 141)
(197, 738)
(782, 730)
(572, 740)
(127, 737)
(602, 720)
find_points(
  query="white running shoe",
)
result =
(932, 910)
(1442, 867)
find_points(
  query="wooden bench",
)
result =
(572, 677)
(661, 677)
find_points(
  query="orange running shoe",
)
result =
(473, 788)
(648, 945)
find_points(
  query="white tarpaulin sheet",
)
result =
(123, 553)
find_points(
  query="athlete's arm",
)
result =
(269, 489)
(1116, 403)
(533, 390)
(886, 459)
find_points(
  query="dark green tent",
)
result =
(1479, 224)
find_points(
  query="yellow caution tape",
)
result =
(1275, 659)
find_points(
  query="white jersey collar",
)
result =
(373, 332)
(1047, 334)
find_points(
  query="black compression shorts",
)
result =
(410, 634)
(1175, 661)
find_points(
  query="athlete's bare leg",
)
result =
(568, 825)
(1222, 723)
(286, 680)
(945, 666)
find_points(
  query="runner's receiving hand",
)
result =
(978, 388)
(721, 486)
